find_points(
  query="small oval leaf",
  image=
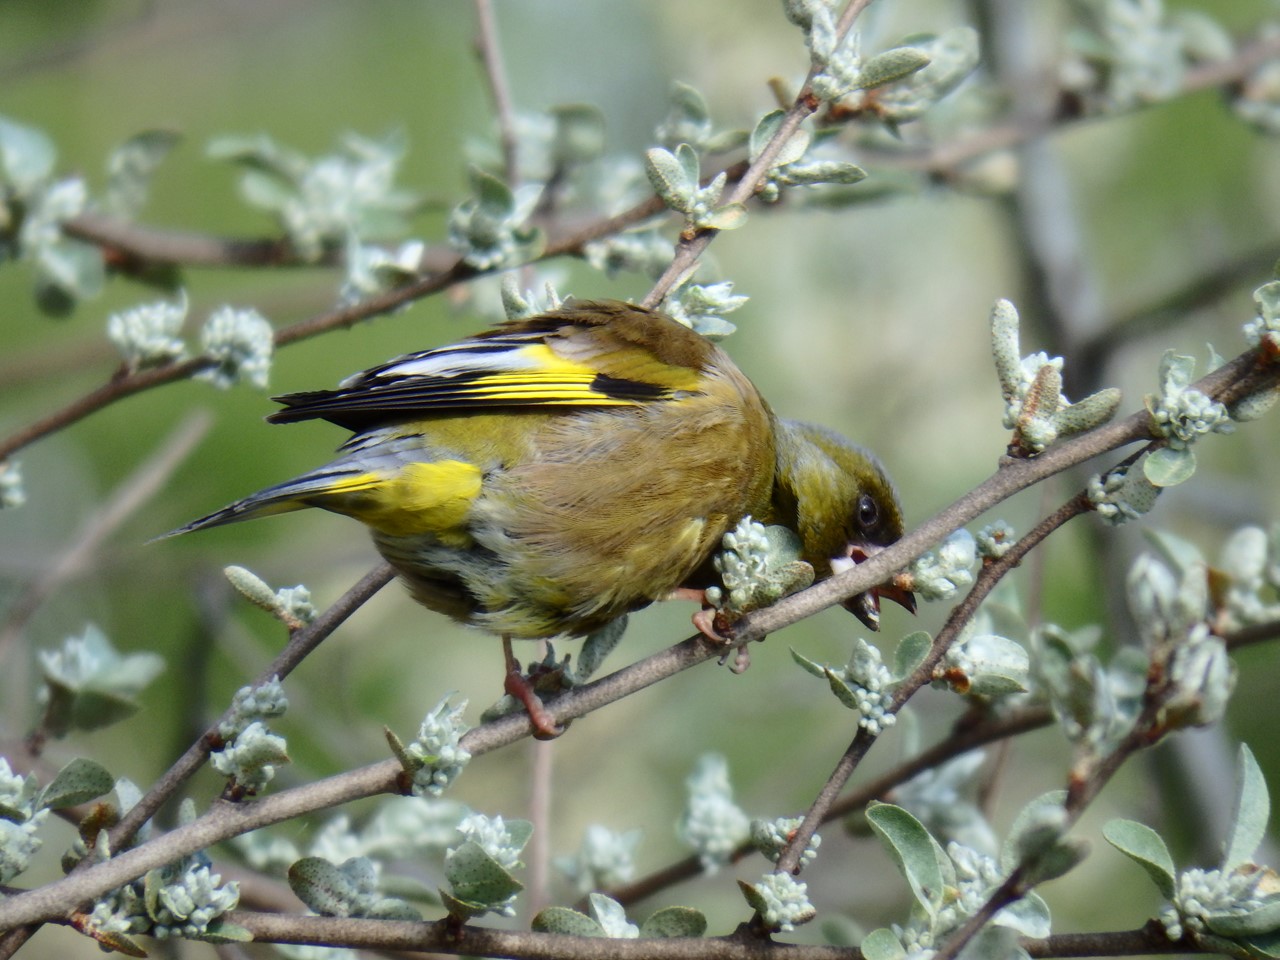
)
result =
(1167, 467)
(910, 844)
(1253, 810)
(675, 922)
(1147, 849)
(79, 781)
(566, 921)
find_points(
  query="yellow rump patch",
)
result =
(420, 498)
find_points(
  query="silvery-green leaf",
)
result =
(1266, 945)
(579, 135)
(496, 198)
(222, 930)
(1004, 346)
(1203, 38)
(881, 944)
(596, 647)
(730, 216)
(890, 66)
(266, 190)
(675, 922)
(566, 921)
(1263, 919)
(79, 781)
(518, 833)
(910, 653)
(73, 267)
(1254, 405)
(322, 886)
(913, 849)
(1167, 467)
(259, 152)
(726, 140)
(765, 130)
(131, 166)
(1000, 666)
(462, 909)
(27, 155)
(1028, 916)
(667, 177)
(1147, 849)
(1176, 371)
(825, 171)
(1180, 553)
(840, 687)
(1037, 824)
(476, 877)
(1253, 810)
(690, 165)
(1094, 410)
(809, 666)
(994, 942)
(795, 148)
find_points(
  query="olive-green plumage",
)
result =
(554, 473)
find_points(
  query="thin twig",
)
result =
(692, 244)
(494, 70)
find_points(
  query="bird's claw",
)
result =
(519, 688)
(716, 626)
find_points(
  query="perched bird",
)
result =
(547, 476)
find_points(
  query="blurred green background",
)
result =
(872, 320)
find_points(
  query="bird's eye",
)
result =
(868, 512)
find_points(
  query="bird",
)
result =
(553, 473)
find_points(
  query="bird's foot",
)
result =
(716, 626)
(519, 687)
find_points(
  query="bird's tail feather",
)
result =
(309, 490)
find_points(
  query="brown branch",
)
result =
(441, 937)
(131, 248)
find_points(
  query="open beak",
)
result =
(866, 606)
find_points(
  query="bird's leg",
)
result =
(517, 686)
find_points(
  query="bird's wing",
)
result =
(586, 355)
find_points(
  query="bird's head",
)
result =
(837, 497)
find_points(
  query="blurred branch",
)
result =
(134, 491)
(490, 51)
(132, 248)
(62, 51)
(1199, 292)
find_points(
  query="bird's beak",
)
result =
(866, 606)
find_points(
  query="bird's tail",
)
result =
(315, 489)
